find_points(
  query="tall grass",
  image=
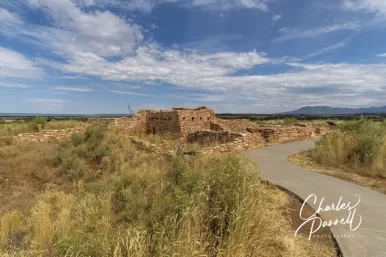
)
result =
(357, 146)
(143, 205)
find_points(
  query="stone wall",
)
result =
(237, 125)
(45, 135)
(285, 134)
(208, 137)
(163, 122)
(192, 120)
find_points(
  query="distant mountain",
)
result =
(320, 110)
(61, 115)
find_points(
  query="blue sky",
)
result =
(261, 56)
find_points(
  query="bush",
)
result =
(289, 121)
(82, 150)
(358, 146)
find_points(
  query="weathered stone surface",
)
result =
(210, 137)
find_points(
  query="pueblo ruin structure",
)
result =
(196, 125)
(178, 120)
(200, 125)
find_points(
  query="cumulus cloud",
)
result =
(152, 63)
(14, 64)
(75, 31)
(381, 55)
(87, 52)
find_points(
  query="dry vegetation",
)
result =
(13, 129)
(356, 146)
(107, 198)
(355, 151)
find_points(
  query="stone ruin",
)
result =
(177, 121)
(200, 125)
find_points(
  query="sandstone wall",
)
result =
(283, 134)
(211, 137)
(237, 125)
(45, 135)
(163, 122)
(192, 120)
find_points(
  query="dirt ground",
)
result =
(305, 160)
(323, 235)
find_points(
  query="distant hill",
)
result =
(326, 110)
(61, 115)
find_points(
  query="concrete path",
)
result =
(369, 240)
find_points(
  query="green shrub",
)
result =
(82, 150)
(289, 121)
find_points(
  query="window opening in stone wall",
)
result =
(192, 118)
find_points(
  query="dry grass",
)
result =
(156, 139)
(25, 172)
(128, 203)
(13, 129)
(357, 147)
(305, 160)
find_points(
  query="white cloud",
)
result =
(148, 5)
(14, 64)
(332, 47)
(86, 51)
(7, 17)
(276, 17)
(371, 6)
(11, 84)
(128, 93)
(381, 55)
(231, 4)
(76, 31)
(46, 101)
(152, 63)
(74, 89)
(290, 34)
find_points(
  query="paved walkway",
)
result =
(369, 240)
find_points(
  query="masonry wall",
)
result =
(282, 134)
(192, 120)
(207, 137)
(238, 125)
(163, 122)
